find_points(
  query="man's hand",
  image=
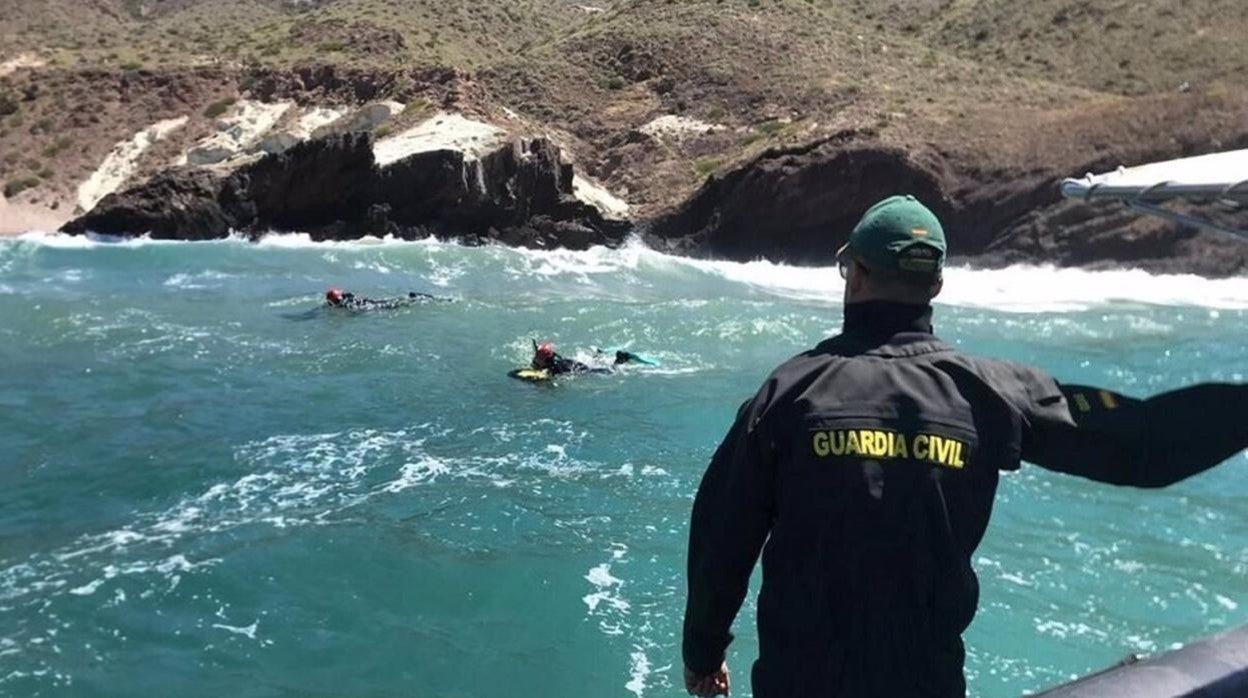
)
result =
(706, 686)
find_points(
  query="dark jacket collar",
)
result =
(883, 319)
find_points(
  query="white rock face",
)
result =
(366, 118)
(677, 127)
(21, 60)
(442, 131)
(248, 131)
(246, 123)
(278, 142)
(315, 118)
(282, 140)
(121, 162)
(450, 131)
(599, 197)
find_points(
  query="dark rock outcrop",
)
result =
(523, 185)
(178, 204)
(328, 82)
(332, 188)
(1108, 234)
(313, 183)
(798, 205)
(795, 205)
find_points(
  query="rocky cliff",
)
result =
(735, 128)
(332, 187)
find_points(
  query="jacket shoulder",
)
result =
(792, 377)
(1022, 385)
(801, 365)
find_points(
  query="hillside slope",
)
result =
(648, 96)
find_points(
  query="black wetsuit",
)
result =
(868, 465)
(561, 366)
(623, 357)
(350, 301)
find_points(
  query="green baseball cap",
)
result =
(899, 234)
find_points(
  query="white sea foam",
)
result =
(94, 241)
(607, 602)
(87, 589)
(248, 631)
(443, 274)
(58, 240)
(1023, 289)
(607, 590)
(1020, 288)
(418, 473)
(199, 281)
(372, 266)
(639, 670)
(303, 240)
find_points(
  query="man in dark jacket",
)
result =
(868, 466)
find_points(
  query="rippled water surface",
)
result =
(207, 487)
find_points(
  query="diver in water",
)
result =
(336, 298)
(546, 359)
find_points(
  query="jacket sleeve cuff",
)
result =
(703, 660)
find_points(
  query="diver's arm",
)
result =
(426, 297)
(732, 515)
(1154, 442)
(565, 365)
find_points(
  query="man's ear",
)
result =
(937, 286)
(858, 279)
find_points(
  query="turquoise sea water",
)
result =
(206, 490)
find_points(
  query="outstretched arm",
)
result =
(1152, 442)
(426, 297)
(732, 515)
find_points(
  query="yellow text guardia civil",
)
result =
(881, 444)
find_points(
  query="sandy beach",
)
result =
(16, 218)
